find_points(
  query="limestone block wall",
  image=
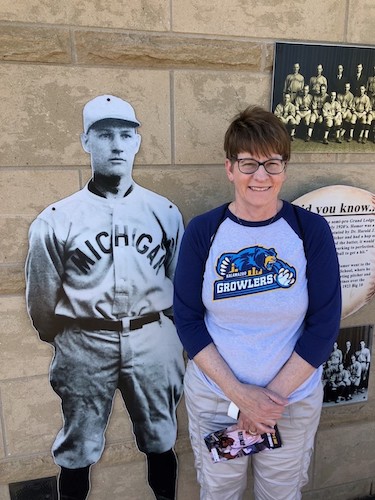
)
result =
(187, 66)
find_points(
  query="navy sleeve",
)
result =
(322, 320)
(188, 307)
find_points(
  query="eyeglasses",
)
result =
(272, 166)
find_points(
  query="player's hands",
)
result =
(260, 408)
(285, 278)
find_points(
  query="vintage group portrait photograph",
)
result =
(346, 371)
(325, 95)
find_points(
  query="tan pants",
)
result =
(278, 474)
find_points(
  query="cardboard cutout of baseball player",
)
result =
(99, 277)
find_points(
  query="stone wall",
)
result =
(187, 67)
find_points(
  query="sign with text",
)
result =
(350, 213)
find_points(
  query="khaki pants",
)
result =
(278, 474)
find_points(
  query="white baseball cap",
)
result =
(107, 106)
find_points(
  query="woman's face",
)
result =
(258, 190)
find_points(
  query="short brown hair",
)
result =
(258, 132)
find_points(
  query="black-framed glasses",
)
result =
(272, 166)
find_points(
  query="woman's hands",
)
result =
(260, 408)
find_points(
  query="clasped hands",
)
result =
(260, 409)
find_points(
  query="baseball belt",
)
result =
(116, 325)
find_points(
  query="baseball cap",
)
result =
(107, 106)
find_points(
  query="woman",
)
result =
(257, 307)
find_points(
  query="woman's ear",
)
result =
(229, 169)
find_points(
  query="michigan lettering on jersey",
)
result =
(102, 243)
(251, 270)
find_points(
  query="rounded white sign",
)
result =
(350, 213)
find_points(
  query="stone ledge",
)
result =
(166, 51)
(25, 468)
(31, 44)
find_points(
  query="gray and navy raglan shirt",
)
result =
(259, 291)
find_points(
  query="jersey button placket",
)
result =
(121, 297)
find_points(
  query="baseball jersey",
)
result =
(316, 82)
(361, 104)
(319, 101)
(364, 355)
(336, 357)
(93, 257)
(331, 109)
(303, 102)
(345, 100)
(293, 83)
(285, 110)
(259, 291)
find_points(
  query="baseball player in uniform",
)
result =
(99, 288)
(317, 81)
(361, 114)
(286, 113)
(294, 82)
(317, 109)
(345, 101)
(332, 117)
(364, 357)
(303, 110)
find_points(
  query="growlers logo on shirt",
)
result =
(251, 270)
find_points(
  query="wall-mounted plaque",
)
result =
(350, 213)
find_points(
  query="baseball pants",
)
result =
(146, 365)
(278, 474)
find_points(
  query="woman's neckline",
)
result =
(251, 222)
